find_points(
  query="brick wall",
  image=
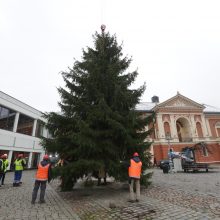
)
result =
(213, 150)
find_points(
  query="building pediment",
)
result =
(179, 102)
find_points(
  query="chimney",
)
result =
(155, 99)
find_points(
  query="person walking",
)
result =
(42, 176)
(19, 167)
(5, 164)
(1, 169)
(134, 172)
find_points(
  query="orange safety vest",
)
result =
(42, 172)
(135, 169)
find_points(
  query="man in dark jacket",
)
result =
(42, 176)
(134, 172)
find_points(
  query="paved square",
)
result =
(171, 196)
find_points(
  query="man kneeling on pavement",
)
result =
(42, 176)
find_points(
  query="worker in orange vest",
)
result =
(42, 176)
(134, 172)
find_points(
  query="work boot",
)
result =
(131, 201)
(41, 202)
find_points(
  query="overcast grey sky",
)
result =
(174, 44)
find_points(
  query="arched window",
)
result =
(199, 129)
(166, 128)
(217, 128)
(178, 128)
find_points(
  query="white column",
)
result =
(34, 127)
(208, 127)
(160, 126)
(193, 127)
(173, 128)
(16, 122)
(9, 158)
(204, 127)
(156, 134)
(30, 159)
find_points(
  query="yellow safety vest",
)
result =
(6, 163)
(18, 164)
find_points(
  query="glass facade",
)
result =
(20, 122)
(7, 118)
(39, 129)
(35, 160)
(25, 124)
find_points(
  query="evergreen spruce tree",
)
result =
(98, 126)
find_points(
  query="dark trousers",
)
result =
(3, 178)
(42, 185)
(18, 175)
(1, 175)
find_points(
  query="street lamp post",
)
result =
(168, 138)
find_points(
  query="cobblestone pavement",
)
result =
(171, 196)
(15, 202)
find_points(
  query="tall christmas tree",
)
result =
(98, 126)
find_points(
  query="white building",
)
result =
(20, 130)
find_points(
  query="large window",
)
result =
(39, 129)
(7, 118)
(25, 124)
(35, 160)
(217, 127)
(199, 130)
(166, 126)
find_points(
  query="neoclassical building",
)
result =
(181, 122)
(20, 129)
